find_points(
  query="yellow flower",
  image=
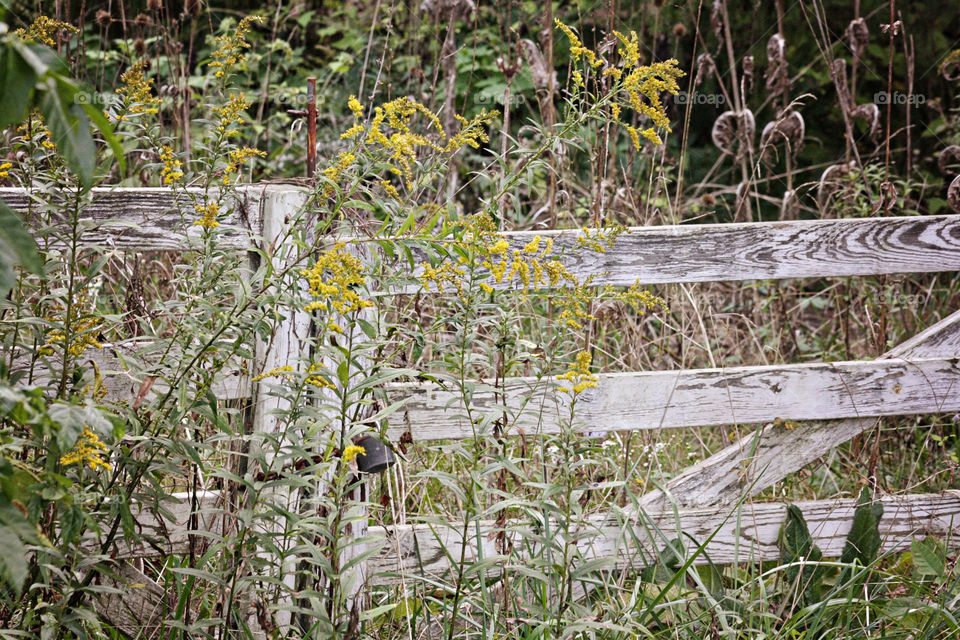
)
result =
(238, 157)
(355, 107)
(352, 452)
(285, 370)
(578, 375)
(332, 280)
(89, 450)
(4, 169)
(44, 29)
(210, 212)
(231, 113)
(171, 166)
(137, 87)
(333, 172)
(230, 47)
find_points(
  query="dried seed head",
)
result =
(140, 46)
(193, 8)
(747, 74)
(716, 19)
(734, 130)
(789, 206)
(950, 67)
(708, 200)
(142, 20)
(778, 82)
(953, 195)
(859, 37)
(869, 112)
(947, 156)
(679, 30)
(831, 179)
(788, 129)
(154, 5)
(539, 69)
(103, 18)
(705, 67)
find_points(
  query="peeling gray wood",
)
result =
(146, 219)
(691, 398)
(140, 605)
(760, 460)
(757, 250)
(745, 533)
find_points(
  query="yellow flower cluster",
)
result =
(5, 169)
(44, 29)
(332, 280)
(391, 130)
(238, 157)
(335, 171)
(595, 239)
(318, 380)
(88, 450)
(139, 90)
(230, 48)
(83, 332)
(285, 370)
(578, 375)
(641, 85)
(170, 172)
(352, 452)
(640, 300)
(209, 212)
(231, 113)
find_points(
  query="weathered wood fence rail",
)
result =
(835, 401)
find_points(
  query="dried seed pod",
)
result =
(140, 47)
(747, 74)
(716, 19)
(446, 10)
(859, 37)
(789, 129)
(732, 127)
(789, 206)
(103, 18)
(831, 179)
(953, 195)
(705, 67)
(193, 8)
(950, 67)
(840, 80)
(869, 112)
(539, 68)
(778, 82)
(154, 5)
(142, 20)
(947, 156)
(888, 198)
(679, 30)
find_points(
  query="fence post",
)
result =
(289, 339)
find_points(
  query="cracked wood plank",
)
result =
(744, 533)
(690, 398)
(760, 460)
(146, 219)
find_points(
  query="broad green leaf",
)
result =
(796, 545)
(70, 128)
(929, 557)
(863, 541)
(17, 248)
(13, 560)
(16, 86)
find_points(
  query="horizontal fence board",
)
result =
(747, 533)
(689, 398)
(760, 460)
(151, 219)
(754, 251)
(121, 377)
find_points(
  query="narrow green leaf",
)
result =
(929, 557)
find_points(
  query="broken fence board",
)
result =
(691, 398)
(747, 533)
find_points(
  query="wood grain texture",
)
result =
(746, 533)
(757, 250)
(760, 460)
(691, 398)
(138, 606)
(149, 219)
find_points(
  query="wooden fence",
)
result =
(833, 401)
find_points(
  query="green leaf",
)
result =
(16, 86)
(863, 541)
(70, 128)
(929, 557)
(796, 545)
(17, 248)
(13, 560)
